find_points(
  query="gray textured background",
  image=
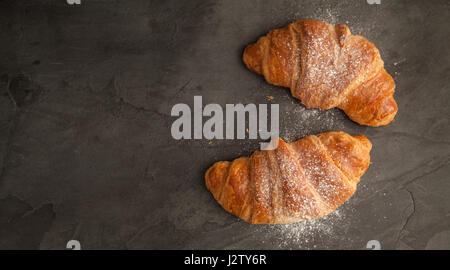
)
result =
(85, 145)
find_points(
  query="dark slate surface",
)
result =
(85, 144)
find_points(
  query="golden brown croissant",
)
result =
(301, 180)
(325, 66)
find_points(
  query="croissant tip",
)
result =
(364, 141)
(252, 58)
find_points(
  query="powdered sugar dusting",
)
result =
(301, 234)
(329, 15)
(296, 181)
(308, 121)
(330, 67)
(299, 198)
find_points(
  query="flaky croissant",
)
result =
(297, 181)
(325, 66)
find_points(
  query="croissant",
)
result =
(297, 181)
(325, 66)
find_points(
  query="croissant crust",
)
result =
(325, 66)
(301, 180)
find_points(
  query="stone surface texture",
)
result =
(86, 151)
